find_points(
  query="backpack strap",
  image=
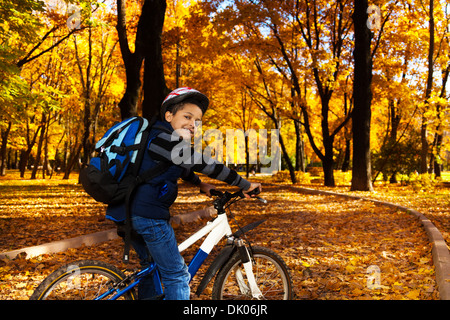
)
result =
(146, 176)
(122, 150)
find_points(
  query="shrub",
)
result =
(422, 182)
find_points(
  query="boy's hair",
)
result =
(179, 106)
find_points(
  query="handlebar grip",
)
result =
(254, 192)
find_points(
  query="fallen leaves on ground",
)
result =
(40, 213)
(331, 245)
(434, 202)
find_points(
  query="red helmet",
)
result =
(181, 94)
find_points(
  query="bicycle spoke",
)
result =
(82, 280)
(272, 278)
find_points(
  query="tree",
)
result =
(429, 88)
(95, 63)
(147, 46)
(439, 17)
(394, 92)
(18, 25)
(304, 42)
(362, 95)
(439, 134)
(326, 69)
(48, 101)
(270, 99)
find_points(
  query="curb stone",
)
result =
(97, 237)
(62, 245)
(440, 251)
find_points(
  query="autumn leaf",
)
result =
(413, 295)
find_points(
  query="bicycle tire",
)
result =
(80, 280)
(276, 285)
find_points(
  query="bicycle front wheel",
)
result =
(271, 272)
(81, 280)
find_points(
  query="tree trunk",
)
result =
(247, 157)
(362, 94)
(328, 164)
(287, 160)
(37, 160)
(25, 154)
(73, 158)
(439, 134)
(87, 104)
(128, 103)
(148, 47)
(423, 130)
(346, 162)
(155, 89)
(299, 148)
(132, 62)
(328, 140)
(4, 143)
(46, 166)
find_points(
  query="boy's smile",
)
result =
(184, 121)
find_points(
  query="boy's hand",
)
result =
(206, 187)
(253, 186)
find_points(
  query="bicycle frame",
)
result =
(217, 229)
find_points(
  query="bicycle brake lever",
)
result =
(253, 193)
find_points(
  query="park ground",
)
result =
(329, 243)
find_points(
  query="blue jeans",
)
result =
(160, 244)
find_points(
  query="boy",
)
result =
(182, 109)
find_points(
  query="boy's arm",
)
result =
(165, 148)
(191, 177)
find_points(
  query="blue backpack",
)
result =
(113, 175)
(109, 175)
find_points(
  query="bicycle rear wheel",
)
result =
(271, 272)
(80, 280)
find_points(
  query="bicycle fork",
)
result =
(248, 267)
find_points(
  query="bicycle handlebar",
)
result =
(224, 197)
(255, 192)
(218, 193)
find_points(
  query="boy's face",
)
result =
(185, 120)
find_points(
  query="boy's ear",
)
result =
(168, 116)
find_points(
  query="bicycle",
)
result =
(243, 271)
